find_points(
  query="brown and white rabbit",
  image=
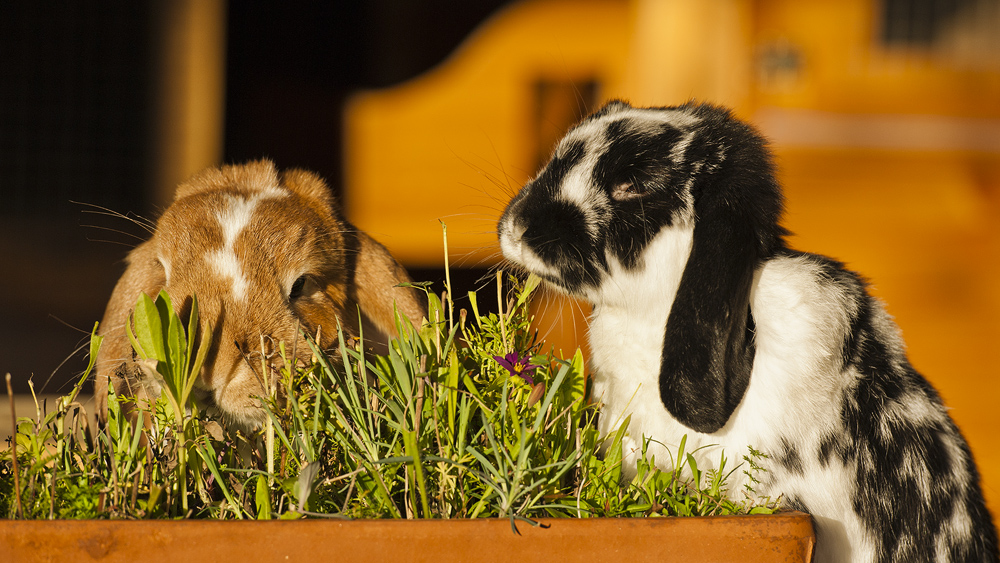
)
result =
(266, 253)
(706, 324)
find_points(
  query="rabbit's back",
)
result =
(867, 446)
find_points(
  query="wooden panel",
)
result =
(779, 538)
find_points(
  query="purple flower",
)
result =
(518, 365)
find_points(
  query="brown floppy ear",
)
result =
(372, 273)
(144, 274)
(375, 275)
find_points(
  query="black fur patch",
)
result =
(547, 183)
(908, 483)
(792, 503)
(555, 229)
(833, 444)
(639, 154)
(789, 458)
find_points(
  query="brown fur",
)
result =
(280, 227)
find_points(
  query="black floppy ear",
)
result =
(708, 348)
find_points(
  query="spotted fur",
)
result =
(706, 324)
(267, 254)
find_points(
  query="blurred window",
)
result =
(962, 33)
(917, 22)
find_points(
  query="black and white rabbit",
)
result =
(706, 324)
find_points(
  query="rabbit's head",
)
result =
(679, 203)
(268, 256)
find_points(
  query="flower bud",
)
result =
(536, 394)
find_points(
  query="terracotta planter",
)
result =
(744, 539)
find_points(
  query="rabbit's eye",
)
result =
(627, 190)
(296, 291)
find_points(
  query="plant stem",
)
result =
(181, 456)
(271, 395)
(503, 325)
(447, 279)
(413, 450)
(13, 449)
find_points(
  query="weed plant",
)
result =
(464, 417)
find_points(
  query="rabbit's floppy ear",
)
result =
(372, 273)
(374, 277)
(708, 347)
(144, 274)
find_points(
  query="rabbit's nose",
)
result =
(517, 231)
(511, 240)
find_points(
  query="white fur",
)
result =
(233, 219)
(794, 393)
(681, 119)
(678, 151)
(166, 267)
(577, 189)
(626, 335)
(225, 263)
(591, 133)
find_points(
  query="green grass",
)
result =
(436, 428)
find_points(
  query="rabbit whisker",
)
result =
(146, 224)
(246, 358)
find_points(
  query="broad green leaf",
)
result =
(176, 354)
(95, 347)
(475, 308)
(165, 311)
(204, 343)
(148, 329)
(192, 329)
(529, 287)
(613, 455)
(578, 379)
(262, 499)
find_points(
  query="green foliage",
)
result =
(435, 428)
